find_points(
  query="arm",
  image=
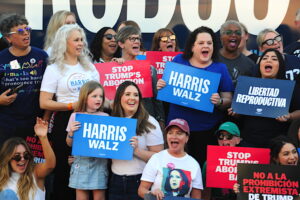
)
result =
(144, 188)
(196, 193)
(6, 99)
(47, 103)
(41, 170)
(222, 100)
(144, 155)
(74, 127)
(290, 116)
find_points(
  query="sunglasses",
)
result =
(21, 31)
(226, 137)
(166, 38)
(133, 39)
(231, 32)
(110, 36)
(19, 157)
(270, 42)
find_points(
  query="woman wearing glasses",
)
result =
(129, 40)
(21, 66)
(104, 46)
(20, 178)
(164, 40)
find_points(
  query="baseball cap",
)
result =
(230, 127)
(181, 123)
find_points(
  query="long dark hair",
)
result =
(96, 45)
(142, 116)
(187, 53)
(281, 70)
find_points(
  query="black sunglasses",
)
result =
(231, 32)
(270, 42)
(110, 36)
(18, 157)
(225, 136)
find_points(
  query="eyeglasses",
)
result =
(133, 39)
(166, 38)
(231, 32)
(21, 31)
(110, 36)
(225, 136)
(19, 157)
(270, 42)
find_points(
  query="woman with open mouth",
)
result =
(126, 174)
(258, 131)
(20, 177)
(164, 40)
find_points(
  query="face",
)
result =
(109, 44)
(276, 44)
(269, 65)
(175, 179)
(94, 100)
(19, 166)
(288, 155)
(70, 19)
(131, 46)
(203, 48)
(231, 38)
(227, 139)
(74, 44)
(19, 37)
(130, 101)
(176, 139)
(167, 42)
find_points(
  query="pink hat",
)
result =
(181, 123)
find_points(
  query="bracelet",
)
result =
(69, 136)
(220, 102)
(70, 106)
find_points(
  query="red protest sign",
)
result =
(158, 59)
(221, 171)
(112, 75)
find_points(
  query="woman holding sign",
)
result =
(126, 174)
(258, 131)
(70, 67)
(129, 40)
(201, 53)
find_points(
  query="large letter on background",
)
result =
(136, 10)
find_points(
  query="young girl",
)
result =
(88, 173)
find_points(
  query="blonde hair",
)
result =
(26, 181)
(85, 90)
(59, 47)
(262, 34)
(56, 21)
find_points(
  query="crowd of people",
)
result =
(42, 90)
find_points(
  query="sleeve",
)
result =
(158, 105)
(50, 80)
(150, 170)
(71, 119)
(225, 82)
(197, 181)
(155, 136)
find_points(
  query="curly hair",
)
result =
(11, 21)
(26, 181)
(59, 47)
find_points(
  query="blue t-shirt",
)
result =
(200, 120)
(27, 70)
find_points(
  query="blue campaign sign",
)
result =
(189, 86)
(104, 137)
(262, 97)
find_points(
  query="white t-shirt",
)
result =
(10, 191)
(136, 165)
(174, 176)
(66, 84)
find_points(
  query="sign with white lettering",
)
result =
(268, 182)
(104, 137)
(262, 97)
(221, 170)
(189, 86)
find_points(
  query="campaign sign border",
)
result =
(243, 85)
(166, 93)
(80, 145)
